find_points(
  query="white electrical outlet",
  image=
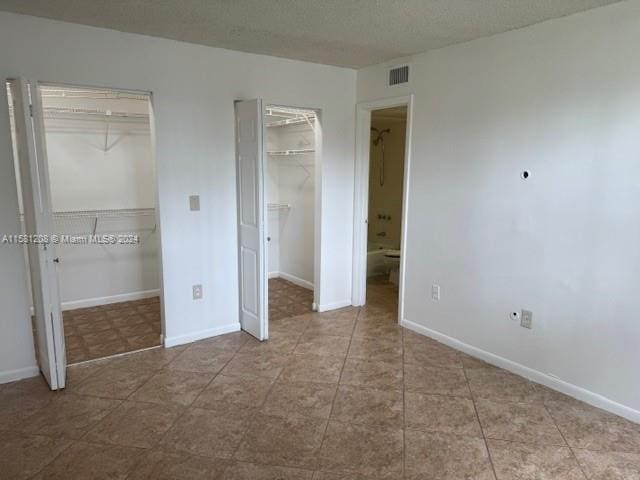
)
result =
(435, 292)
(197, 292)
(526, 319)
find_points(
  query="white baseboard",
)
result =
(293, 279)
(570, 389)
(334, 306)
(201, 334)
(19, 374)
(123, 297)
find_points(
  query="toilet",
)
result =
(392, 261)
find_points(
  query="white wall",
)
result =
(193, 92)
(562, 99)
(86, 177)
(294, 184)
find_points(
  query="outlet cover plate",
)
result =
(526, 319)
(197, 292)
(194, 203)
(435, 292)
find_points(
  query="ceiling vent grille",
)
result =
(399, 75)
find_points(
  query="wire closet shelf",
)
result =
(102, 222)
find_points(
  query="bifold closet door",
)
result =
(251, 217)
(34, 177)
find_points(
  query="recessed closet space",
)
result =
(102, 185)
(291, 137)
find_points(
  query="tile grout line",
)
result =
(335, 395)
(185, 408)
(475, 409)
(573, 454)
(404, 411)
(259, 409)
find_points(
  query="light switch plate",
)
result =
(194, 203)
(526, 319)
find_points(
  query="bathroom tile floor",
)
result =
(342, 395)
(107, 330)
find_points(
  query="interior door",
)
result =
(251, 218)
(34, 178)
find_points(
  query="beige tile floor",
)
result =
(346, 395)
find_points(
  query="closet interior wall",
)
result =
(102, 179)
(290, 182)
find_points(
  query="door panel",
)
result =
(34, 179)
(251, 218)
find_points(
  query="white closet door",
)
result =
(251, 218)
(34, 176)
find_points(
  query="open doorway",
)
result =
(386, 184)
(278, 212)
(290, 191)
(98, 217)
(383, 145)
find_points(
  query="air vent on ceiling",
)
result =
(399, 75)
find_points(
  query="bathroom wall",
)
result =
(291, 180)
(386, 200)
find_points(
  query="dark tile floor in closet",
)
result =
(287, 299)
(107, 330)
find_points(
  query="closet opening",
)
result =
(291, 139)
(93, 177)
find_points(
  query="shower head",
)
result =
(379, 135)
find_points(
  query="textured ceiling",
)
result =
(350, 33)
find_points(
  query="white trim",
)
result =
(547, 380)
(334, 306)
(293, 279)
(123, 297)
(361, 195)
(95, 360)
(199, 335)
(19, 374)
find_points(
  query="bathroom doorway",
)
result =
(384, 225)
(382, 172)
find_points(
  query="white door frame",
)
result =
(361, 196)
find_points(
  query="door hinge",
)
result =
(31, 111)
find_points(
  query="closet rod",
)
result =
(113, 213)
(282, 153)
(50, 112)
(279, 206)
